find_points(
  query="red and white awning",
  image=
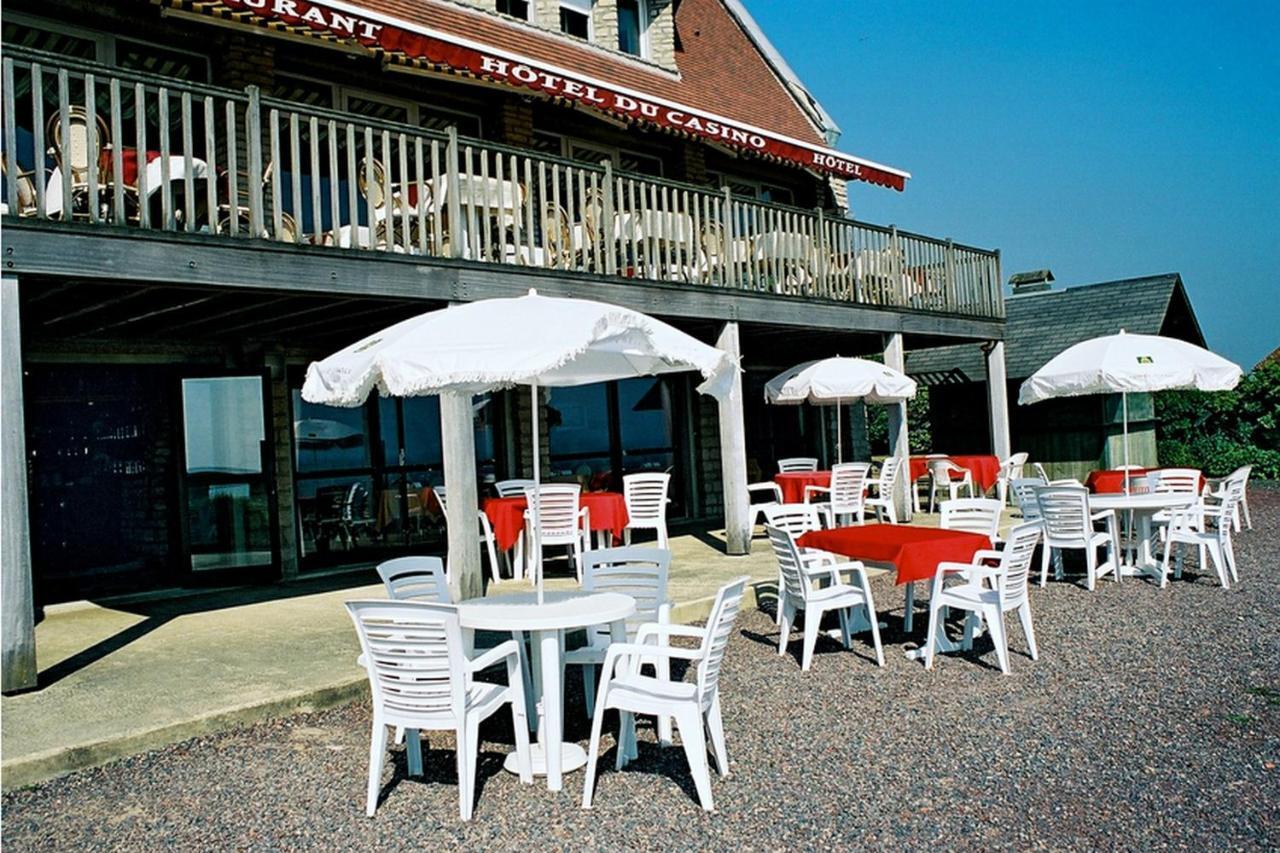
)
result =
(413, 44)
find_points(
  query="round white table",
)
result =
(1142, 508)
(521, 613)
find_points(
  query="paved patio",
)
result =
(125, 676)
(1151, 719)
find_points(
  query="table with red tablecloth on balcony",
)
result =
(606, 511)
(914, 552)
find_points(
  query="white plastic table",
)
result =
(1142, 507)
(560, 611)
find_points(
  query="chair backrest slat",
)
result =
(646, 496)
(557, 510)
(638, 572)
(1175, 481)
(415, 579)
(793, 518)
(848, 486)
(719, 631)
(1024, 492)
(413, 653)
(890, 470)
(792, 464)
(789, 563)
(512, 488)
(1064, 510)
(1015, 563)
(974, 515)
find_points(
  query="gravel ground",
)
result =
(1151, 719)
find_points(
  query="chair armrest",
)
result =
(664, 630)
(987, 554)
(772, 488)
(813, 490)
(1103, 514)
(619, 651)
(502, 651)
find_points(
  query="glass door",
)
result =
(228, 513)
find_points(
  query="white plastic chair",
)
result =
(886, 488)
(1024, 495)
(638, 572)
(1175, 481)
(485, 530)
(512, 488)
(942, 474)
(415, 579)
(1215, 489)
(562, 523)
(799, 575)
(773, 498)
(1010, 470)
(694, 706)
(797, 464)
(1209, 528)
(1005, 589)
(1069, 525)
(646, 499)
(847, 494)
(974, 515)
(797, 519)
(421, 679)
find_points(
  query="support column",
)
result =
(287, 527)
(458, 441)
(998, 399)
(733, 454)
(17, 593)
(899, 443)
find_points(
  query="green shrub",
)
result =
(1218, 432)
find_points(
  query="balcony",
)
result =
(94, 144)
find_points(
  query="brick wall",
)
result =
(522, 421)
(710, 503)
(515, 123)
(245, 60)
(691, 162)
(662, 32)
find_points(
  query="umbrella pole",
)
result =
(1124, 406)
(839, 437)
(536, 544)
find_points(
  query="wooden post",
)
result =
(17, 593)
(899, 442)
(733, 454)
(287, 526)
(458, 441)
(998, 399)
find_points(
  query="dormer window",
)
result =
(575, 18)
(633, 21)
(515, 8)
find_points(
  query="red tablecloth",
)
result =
(793, 484)
(1109, 482)
(914, 551)
(985, 468)
(608, 511)
(128, 160)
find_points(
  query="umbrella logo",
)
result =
(1145, 359)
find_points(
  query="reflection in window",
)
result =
(578, 421)
(631, 25)
(159, 60)
(40, 38)
(328, 438)
(645, 425)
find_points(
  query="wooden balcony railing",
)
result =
(97, 144)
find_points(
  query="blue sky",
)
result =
(1100, 140)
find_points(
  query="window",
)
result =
(514, 8)
(575, 18)
(151, 58)
(633, 20)
(594, 152)
(748, 188)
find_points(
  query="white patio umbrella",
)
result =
(500, 343)
(1125, 364)
(836, 381)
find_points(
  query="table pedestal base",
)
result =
(572, 757)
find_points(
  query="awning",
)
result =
(412, 44)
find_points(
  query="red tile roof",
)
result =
(721, 71)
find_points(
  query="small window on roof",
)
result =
(514, 8)
(575, 18)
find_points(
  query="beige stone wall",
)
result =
(662, 32)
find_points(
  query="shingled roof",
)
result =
(1040, 325)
